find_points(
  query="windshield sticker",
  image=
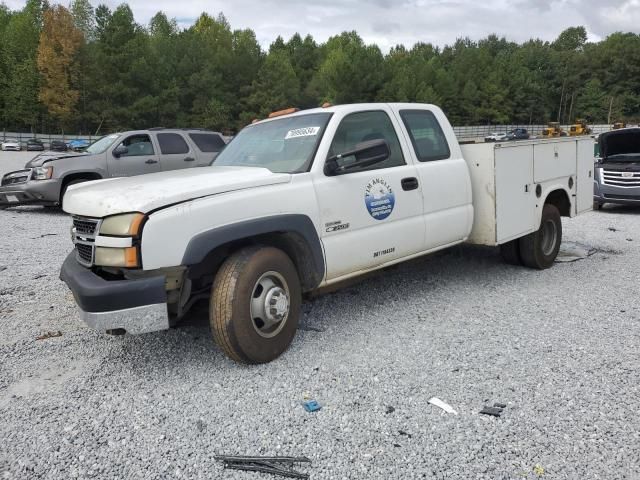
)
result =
(302, 132)
(379, 198)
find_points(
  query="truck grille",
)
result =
(85, 226)
(84, 233)
(85, 253)
(621, 178)
(13, 178)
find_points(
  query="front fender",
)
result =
(205, 242)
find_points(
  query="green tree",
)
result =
(276, 86)
(351, 71)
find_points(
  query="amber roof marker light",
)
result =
(286, 111)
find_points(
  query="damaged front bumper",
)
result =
(17, 188)
(133, 305)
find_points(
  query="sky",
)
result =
(391, 22)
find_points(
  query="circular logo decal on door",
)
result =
(379, 198)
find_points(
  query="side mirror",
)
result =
(120, 150)
(363, 155)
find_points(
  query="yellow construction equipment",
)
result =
(553, 130)
(618, 125)
(580, 128)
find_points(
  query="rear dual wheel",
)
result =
(540, 248)
(255, 304)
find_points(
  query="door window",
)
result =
(365, 126)
(138, 145)
(426, 135)
(172, 143)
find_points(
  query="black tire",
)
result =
(67, 185)
(237, 289)
(510, 252)
(540, 248)
(597, 205)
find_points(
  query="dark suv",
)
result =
(617, 169)
(517, 134)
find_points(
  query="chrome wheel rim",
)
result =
(270, 304)
(549, 237)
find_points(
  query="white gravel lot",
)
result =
(560, 347)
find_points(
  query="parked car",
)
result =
(46, 177)
(58, 146)
(34, 145)
(495, 137)
(78, 145)
(11, 144)
(517, 134)
(617, 169)
(302, 201)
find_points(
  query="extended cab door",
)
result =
(443, 174)
(140, 157)
(372, 215)
(176, 152)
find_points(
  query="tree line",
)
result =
(85, 70)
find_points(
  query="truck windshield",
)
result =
(101, 145)
(286, 145)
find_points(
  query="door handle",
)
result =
(410, 183)
(150, 161)
(189, 159)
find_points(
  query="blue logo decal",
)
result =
(379, 198)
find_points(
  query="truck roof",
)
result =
(347, 108)
(167, 130)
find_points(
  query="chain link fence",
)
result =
(481, 131)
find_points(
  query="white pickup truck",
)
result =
(303, 200)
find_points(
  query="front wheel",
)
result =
(540, 248)
(255, 304)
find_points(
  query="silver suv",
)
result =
(46, 177)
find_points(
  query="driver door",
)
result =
(140, 157)
(372, 215)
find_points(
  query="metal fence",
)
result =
(481, 131)
(462, 132)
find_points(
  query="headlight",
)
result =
(116, 257)
(128, 224)
(42, 173)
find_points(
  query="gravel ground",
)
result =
(559, 347)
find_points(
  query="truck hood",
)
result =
(145, 193)
(44, 157)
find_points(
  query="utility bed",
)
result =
(509, 179)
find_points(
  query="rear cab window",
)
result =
(208, 142)
(427, 137)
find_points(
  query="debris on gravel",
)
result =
(559, 345)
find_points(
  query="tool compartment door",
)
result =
(584, 177)
(515, 198)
